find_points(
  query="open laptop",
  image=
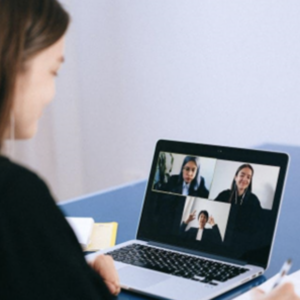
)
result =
(207, 224)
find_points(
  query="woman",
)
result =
(245, 232)
(201, 233)
(241, 188)
(188, 182)
(40, 257)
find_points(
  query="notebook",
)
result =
(93, 236)
(207, 223)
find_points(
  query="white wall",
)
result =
(218, 72)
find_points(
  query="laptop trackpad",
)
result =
(140, 278)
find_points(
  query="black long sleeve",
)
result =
(40, 257)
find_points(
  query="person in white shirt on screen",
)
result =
(201, 233)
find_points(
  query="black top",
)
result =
(245, 229)
(249, 199)
(245, 213)
(175, 186)
(40, 257)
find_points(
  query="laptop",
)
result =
(207, 223)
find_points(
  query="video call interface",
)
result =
(218, 206)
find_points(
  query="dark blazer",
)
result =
(175, 186)
(208, 236)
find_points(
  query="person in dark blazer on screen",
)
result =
(205, 235)
(189, 182)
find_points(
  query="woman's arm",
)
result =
(191, 217)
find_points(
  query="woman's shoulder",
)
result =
(173, 179)
(225, 193)
(8, 167)
(26, 201)
(253, 196)
(223, 196)
(254, 200)
(16, 179)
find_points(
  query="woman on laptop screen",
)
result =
(188, 182)
(246, 223)
(241, 188)
(40, 257)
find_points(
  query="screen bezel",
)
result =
(264, 157)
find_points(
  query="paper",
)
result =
(268, 285)
(103, 236)
(93, 236)
(82, 228)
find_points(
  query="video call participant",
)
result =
(245, 228)
(205, 235)
(188, 182)
(241, 188)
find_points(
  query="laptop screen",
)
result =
(216, 200)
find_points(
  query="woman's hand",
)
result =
(191, 217)
(104, 266)
(283, 292)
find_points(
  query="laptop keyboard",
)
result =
(177, 264)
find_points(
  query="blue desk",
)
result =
(124, 204)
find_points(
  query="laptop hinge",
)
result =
(199, 253)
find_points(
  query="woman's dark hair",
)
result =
(196, 181)
(234, 187)
(27, 28)
(205, 212)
